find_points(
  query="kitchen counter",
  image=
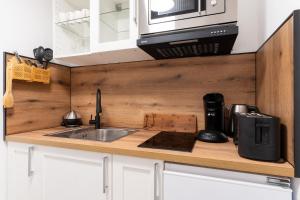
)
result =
(221, 156)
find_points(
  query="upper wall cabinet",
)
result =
(71, 27)
(88, 32)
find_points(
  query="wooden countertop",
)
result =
(220, 156)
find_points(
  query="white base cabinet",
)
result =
(42, 173)
(24, 180)
(75, 175)
(137, 178)
(47, 173)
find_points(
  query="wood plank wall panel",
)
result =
(171, 86)
(37, 105)
(275, 82)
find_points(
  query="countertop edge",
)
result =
(282, 171)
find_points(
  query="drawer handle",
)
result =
(105, 174)
(156, 182)
(29, 166)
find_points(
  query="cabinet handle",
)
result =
(105, 159)
(135, 12)
(29, 170)
(156, 182)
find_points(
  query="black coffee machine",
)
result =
(214, 119)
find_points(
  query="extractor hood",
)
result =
(204, 41)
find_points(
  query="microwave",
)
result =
(156, 16)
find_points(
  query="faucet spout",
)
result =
(98, 110)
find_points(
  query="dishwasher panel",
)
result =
(191, 186)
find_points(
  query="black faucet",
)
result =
(97, 120)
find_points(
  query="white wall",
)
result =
(272, 14)
(258, 19)
(247, 40)
(24, 26)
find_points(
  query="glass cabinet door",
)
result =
(72, 27)
(115, 22)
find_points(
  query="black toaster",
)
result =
(259, 137)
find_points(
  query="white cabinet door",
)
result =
(75, 175)
(113, 25)
(71, 27)
(136, 178)
(24, 176)
(179, 185)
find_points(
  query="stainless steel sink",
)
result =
(104, 135)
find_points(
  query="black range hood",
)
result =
(204, 41)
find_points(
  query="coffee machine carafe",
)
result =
(214, 119)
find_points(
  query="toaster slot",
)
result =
(262, 134)
(258, 135)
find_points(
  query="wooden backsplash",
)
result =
(37, 105)
(129, 90)
(275, 82)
